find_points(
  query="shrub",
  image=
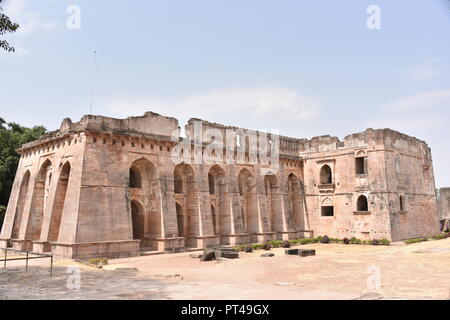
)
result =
(384, 242)
(325, 239)
(286, 244)
(267, 246)
(346, 241)
(248, 249)
(257, 246)
(353, 240)
(276, 243)
(414, 240)
(294, 242)
(98, 261)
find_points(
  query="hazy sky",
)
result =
(303, 68)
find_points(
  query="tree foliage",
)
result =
(12, 137)
(6, 26)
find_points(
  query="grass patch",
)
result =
(439, 236)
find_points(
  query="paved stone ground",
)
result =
(417, 271)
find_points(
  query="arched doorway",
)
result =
(219, 200)
(246, 184)
(20, 205)
(296, 194)
(39, 201)
(273, 201)
(137, 219)
(180, 220)
(58, 205)
(145, 195)
(186, 194)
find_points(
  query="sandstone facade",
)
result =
(444, 207)
(113, 187)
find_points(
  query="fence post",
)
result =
(26, 265)
(6, 256)
(51, 266)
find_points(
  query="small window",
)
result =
(362, 204)
(328, 211)
(360, 164)
(326, 176)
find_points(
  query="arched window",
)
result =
(135, 178)
(402, 203)
(362, 204)
(326, 177)
(327, 208)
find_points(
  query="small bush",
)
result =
(353, 240)
(257, 246)
(286, 244)
(276, 243)
(248, 249)
(294, 242)
(325, 239)
(384, 242)
(414, 240)
(346, 241)
(267, 246)
(98, 261)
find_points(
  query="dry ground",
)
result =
(417, 271)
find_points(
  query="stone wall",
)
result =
(115, 187)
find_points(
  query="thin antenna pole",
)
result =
(93, 82)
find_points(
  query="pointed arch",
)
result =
(145, 191)
(362, 204)
(296, 193)
(217, 181)
(59, 202)
(39, 200)
(186, 187)
(248, 201)
(20, 204)
(273, 199)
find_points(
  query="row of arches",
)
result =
(40, 203)
(222, 219)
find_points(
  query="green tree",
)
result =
(12, 137)
(6, 26)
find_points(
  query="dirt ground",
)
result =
(416, 271)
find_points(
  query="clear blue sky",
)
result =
(303, 68)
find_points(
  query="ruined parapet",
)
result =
(150, 125)
(385, 138)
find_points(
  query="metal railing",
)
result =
(28, 256)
